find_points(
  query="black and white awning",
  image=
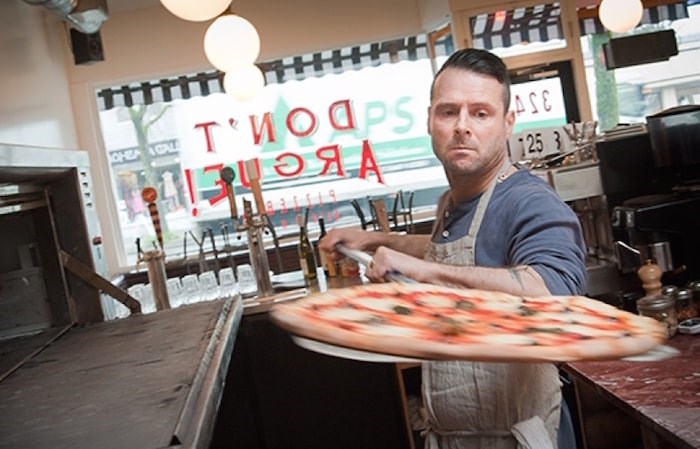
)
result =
(542, 23)
(506, 28)
(293, 68)
(652, 15)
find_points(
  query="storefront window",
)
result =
(328, 128)
(628, 95)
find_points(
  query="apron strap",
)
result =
(486, 198)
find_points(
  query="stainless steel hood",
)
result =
(25, 171)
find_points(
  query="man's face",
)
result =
(468, 123)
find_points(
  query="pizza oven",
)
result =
(46, 210)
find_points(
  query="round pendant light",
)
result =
(230, 42)
(244, 83)
(196, 11)
(620, 16)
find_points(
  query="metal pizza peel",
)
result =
(350, 353)
(655, 354)
(658, 353)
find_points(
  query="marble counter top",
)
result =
(664, 396)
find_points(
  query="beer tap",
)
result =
(155, 259)
(201, 257)
(253, 224)
(228, 249)
(212, 239)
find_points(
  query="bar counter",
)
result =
(662, 397)
(146, 381)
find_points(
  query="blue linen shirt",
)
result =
(526, 223)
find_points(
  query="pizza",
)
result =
(442, 323)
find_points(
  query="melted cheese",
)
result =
(385, 330)
(379, 304)
(436, 301)
(508, 339)
(346, 314)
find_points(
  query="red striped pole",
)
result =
(150, 195)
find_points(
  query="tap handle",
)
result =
(150, 195)
(253, 178)
(227, 176)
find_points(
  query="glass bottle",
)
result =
(307, 256)
(327, 263)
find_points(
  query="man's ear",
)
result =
(427, 122)
(510, 122)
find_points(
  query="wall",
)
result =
(35, 106)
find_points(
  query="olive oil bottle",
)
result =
(327, 263)
(307, 256)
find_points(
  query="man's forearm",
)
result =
(411, 244)
(520, 280)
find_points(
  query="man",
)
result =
(497, 228)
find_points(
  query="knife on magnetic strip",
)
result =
(363, 258)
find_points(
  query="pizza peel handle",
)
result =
(355, 254)
(363, 258)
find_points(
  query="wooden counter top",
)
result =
(662, 396)
(146, 381)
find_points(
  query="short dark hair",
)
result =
(482, 62)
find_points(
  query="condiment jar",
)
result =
(694, 287)
(669, 290)
(662, 308)
(685, 307)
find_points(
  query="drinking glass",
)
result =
(142, 293)
(246, 280)
(227, 282)
(148, 305)
(190, 289)
(174, 286)
(209, 286)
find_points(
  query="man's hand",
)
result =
(352, 238)
(387, 260)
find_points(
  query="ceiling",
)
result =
(127, 5)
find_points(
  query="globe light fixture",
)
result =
(244, 83)
(230, 42)
(196, 11)
(620, 16)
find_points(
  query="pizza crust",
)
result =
(310, 318)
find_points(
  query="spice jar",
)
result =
(662, 308)
(685, 308)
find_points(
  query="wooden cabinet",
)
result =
(409, 379)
